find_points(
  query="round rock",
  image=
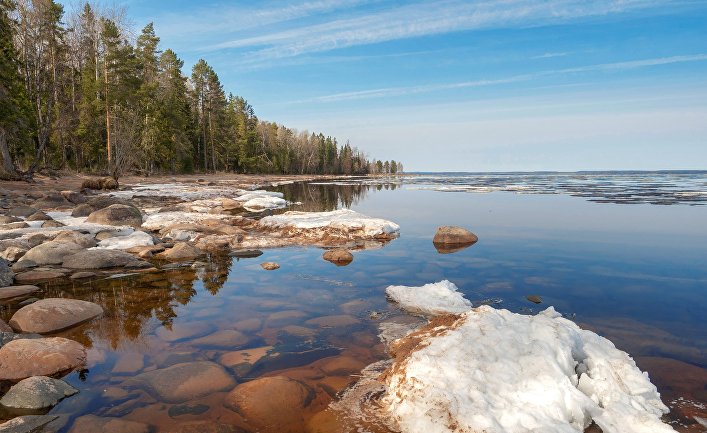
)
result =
(53, 315)
(186, 381)
(447, 235)
(180, 251)
(12, 292)
(116, 215)
(100, 259)
(36, 393)
(339, 257)
(270, 266)
(51, 253)
(20, 359)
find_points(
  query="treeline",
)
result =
(77, 92)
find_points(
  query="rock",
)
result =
(13, 226)
(6, 337)
(129, 363)
(80, 239)
(12, 292)
(187, 381)
(535, 299)
(269, 266)
(339, 257)
(100, 183)
(106, 234)
(332, 321)
(180, 251)
(110, 183)
(230, 204)
(13, 254)
(82, 275)
(51, 253)
(27, 302)
(38, 216)
(52, 224)
(35, 276)
(342, 365)
(204, 427)
(7, 276)
(97, 424)
(271, 404)
(246, 357)
(449, 235)
(82, 210)
(52, 201)
(22, 211)
(101, 259)
(103, 201)
(23, 358)
(227, 338)
(27, 424)
(38, 238)
(23, 265)
(186, 409)
(74, 197)
(116, 215)
(53, 315)
(179, 331)
(246, 254)
(37, 392)
(4, 327)
(6, 219)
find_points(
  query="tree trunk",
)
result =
(7, 168)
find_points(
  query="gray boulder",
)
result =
(22, 211)
(53, 315)
(7, 277)
(82, 210)
(117, 215)
(36, 393)
(101, 259)
(51, 253)
(27, 423)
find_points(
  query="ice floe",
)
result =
(160, 220)
(134, 239)
(495, 371)
(344, 220)
(431, 299)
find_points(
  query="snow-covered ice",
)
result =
(342, 219)
(496, 371)
(135, 239)
(431, 299)
(160, 220)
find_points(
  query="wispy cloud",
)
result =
(549, 55)
(410, 90)
(422, 19)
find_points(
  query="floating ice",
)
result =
(496, 371)
(342, 219)
(431, 299)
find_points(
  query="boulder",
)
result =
(6, 274)
(116, 215)
(52, 201)
(186, 381)
(52, 224)
(13, 226)
(269, 266)
(180, 251)
(100, 183)
(103, 201)
(225, 339)
(82, 210)
(101, 259)
(450, 235)
(37, 393)
(27, 423)
(37, 275)
(246, 254)
(97, 424)
(74, 197)
(271, 404)
(6, 219)
(204, 427)
(53, 315)
(81, 239)
(4, 327)
(230, 204)
(13, 292)
(39, 216)
(20, 359)
(339, 257)
(22, 211)
(51, 253)
(82, 275)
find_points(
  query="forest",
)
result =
(84, 92)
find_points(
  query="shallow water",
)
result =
(633, 273)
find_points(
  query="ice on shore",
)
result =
(135, 239)
(496, 371)
(160, 220)
(431, 299)
(344, 220)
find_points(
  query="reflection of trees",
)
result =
(215, 273)
(321, 198)
(129, 302)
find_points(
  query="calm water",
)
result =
(631, 266)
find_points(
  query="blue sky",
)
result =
(465, 85)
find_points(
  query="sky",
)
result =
(454, 85)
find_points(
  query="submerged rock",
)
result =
(36, 393)
(35, 276)
(271, 404)
(204, 427)
(23, 358)
(187, 381)
(339, 257)
(116, 215)
(96, 424)
(53, 315)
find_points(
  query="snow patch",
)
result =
(342, 219)
(497, 371)
(431, 299)
(135, 239)
(161, 220)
